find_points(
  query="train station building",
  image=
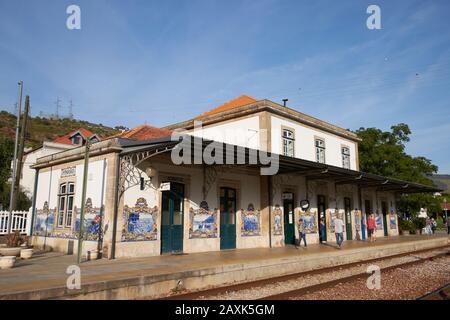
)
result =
(142, 201)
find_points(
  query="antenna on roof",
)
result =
(284, 102)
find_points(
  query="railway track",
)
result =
(442, 293)
(210, 293)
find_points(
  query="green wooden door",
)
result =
(348, 218)
(322, 208)
(289, 220)
(227, 218)
(172, 219)
(384, 211)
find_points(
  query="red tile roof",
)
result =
(144, 132)
(235, 103)
(66, 138)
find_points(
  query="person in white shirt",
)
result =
(339, 230)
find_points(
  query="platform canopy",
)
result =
(287, 165)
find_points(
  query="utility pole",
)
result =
(83, 200)
(71, 109)
(13, 178)
(21, 149)
(57, 107)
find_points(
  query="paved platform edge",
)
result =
(155, 286)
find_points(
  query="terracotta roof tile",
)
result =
(66, 138)
(144, 132)
(235, 103)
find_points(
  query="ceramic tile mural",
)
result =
(44, 221)
(357, 214)
(92, 221)
(358, 220)
(393, 221)
(202, 222)
(330, 222)
(140, 222)
(277, 221)
(379, 221)
(309, 221)
(251, 222)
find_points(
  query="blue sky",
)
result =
(159, 62)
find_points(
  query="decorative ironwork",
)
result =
(210, 174)
(130, 175)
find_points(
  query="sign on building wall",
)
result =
(165, 186)
(68, 172)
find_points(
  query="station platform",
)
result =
(44, 276)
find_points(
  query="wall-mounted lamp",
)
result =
(150, 172)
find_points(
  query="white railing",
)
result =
(21, 221)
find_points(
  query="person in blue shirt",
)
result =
(301, 232)
(321, 231)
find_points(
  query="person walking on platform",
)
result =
(427, 228)
(433, 226)
(301, 232)
(322, 231)
(371, 227)
(448, 225)
(339, 230)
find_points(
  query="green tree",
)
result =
(383, 153)
(6, 156)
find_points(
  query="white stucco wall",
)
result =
(304, 147)
(28, 174)
(47, 190)
(242, 132)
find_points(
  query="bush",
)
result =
(419, 223)
(440, 223)
(14, 240)
(405, 225)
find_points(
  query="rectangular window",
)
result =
(288, 143)
(345, 157)
(320, 150)
(69, 214)
(65, 204)
(61, 210)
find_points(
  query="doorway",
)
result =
(322, 209)
(289, 218)
(227, 218)
(172, 211)
(348, 218)
(384, 211)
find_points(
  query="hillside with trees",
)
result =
(38, 130)
(44, 129)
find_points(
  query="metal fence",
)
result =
(21, 221)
